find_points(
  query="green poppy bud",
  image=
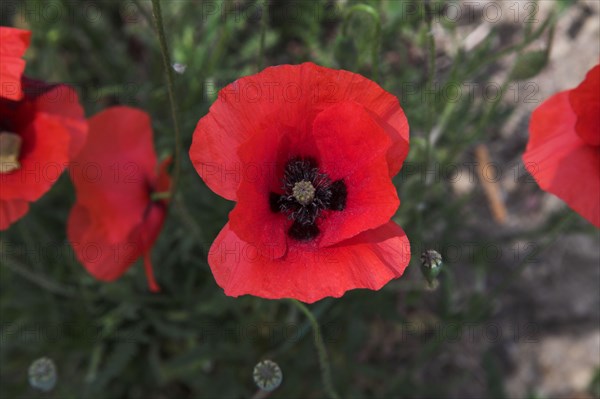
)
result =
(431, 265)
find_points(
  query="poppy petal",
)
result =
(152, 284)
(252, 218)
(62, 102)
(340, 86)
(13, 44)
(107, 260)
(163, 181)
(371, 201)
(104, 260)
(44, 156)
(296, 93)
(114, 211)
(560, 161)
(585, 100)
(115, 170)
(148, 233)
(11, 211)
(368, 260)
(348, 139)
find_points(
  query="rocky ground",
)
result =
(546, 325)
(557, 297)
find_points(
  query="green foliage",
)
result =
(594, 387)
(529, 65)
(116, 340)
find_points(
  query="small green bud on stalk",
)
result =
(431, 265)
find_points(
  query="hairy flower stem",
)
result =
(156, 11)
(425, 179)
(320, 345)
(374, 15)
(263, 32)
(430, 86)
(36, 278)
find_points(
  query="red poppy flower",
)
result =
(308, 154)
(563, 153)
(13, 43)
(39, 134)
(115, 220)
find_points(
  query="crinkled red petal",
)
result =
(368, 260)
(13, 44)
(560, 161)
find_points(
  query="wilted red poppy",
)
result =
(13, 44)
(563, 153)
(115, 220)
(39, 133)
(308, 154)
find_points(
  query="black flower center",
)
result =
(306, 194)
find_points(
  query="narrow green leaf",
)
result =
(529, 65)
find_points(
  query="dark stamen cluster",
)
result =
(306, 193)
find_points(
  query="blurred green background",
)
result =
(465, 76)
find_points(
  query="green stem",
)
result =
(35, 278)
(156, 11)
(440, 127)
(550, 41)
(320, 345)
(370, 11)
(430, 85)
(492, 107)
(188, 219)
(263, 32)
(431, 109)
(96, 358)
(158, 196)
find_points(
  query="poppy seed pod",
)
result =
(267, 375)
(42, 374)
